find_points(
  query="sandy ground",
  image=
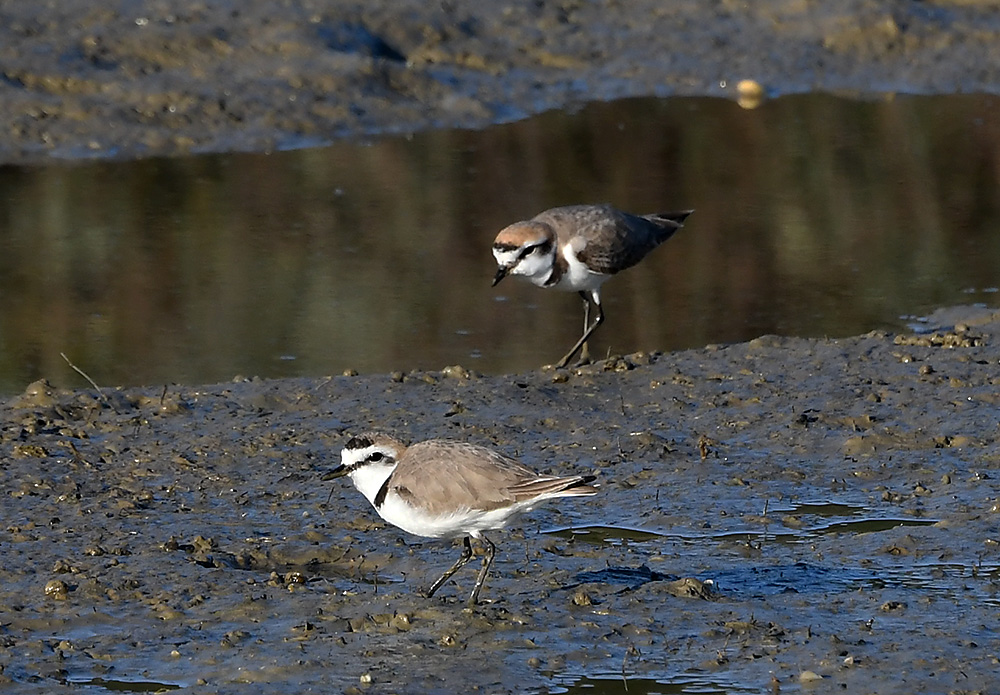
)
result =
(828, 506)
(128, 79)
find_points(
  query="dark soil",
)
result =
(154, 77)
(819, 512)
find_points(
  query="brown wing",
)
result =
(445, 475)
(613, 240)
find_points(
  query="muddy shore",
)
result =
(829, 505)
(136, 79)
(784, 515)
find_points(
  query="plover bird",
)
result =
(577, 248)
(445, 489)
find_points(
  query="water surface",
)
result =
(815, 216)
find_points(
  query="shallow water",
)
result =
(816, 215)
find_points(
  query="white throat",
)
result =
(369, 479)
(537, 268)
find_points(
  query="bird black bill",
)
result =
(335, 473)
(501, 274)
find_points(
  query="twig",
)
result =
(85, 376)
(631, 651)
(624, 677)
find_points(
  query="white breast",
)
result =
(578, 275)
(462, 522)
(369, 479)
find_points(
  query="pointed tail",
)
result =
(668, 222)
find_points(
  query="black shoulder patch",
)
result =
(559, 267)
(382, 492)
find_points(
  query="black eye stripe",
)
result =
(374, 457)
(543, 247)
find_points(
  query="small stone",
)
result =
(57, 589)
(455, 372)
(749, 94)
(582, 598)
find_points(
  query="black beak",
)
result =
(335, 473)
(501, 274)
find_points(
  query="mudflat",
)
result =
(124, 80)
(775, 515)
(781, 515)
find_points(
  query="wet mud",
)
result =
(782, 515)
(125, 80)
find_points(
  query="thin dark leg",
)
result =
(459, 564)
(584, 350)
(491, 550)
(587, 332)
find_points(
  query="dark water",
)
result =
(815, 216)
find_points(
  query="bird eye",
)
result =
(377, 456)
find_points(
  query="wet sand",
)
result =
(781, 515)
(164, 78)
(828, 506)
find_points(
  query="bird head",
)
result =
(368, 460)
(525, 248)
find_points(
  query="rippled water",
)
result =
(815, 215)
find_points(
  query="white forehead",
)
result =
(349, 456)
(505, 256)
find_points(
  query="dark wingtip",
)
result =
(677, 216)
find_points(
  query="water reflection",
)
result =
(815, 216)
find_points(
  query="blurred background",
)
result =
(815, 216)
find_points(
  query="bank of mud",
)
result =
(153, 78)
(780, 514)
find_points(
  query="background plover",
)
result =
(445, 489)
(577, 248)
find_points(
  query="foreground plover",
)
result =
(577, 248)
(445, 489)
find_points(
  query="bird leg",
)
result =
(459, 564)
(584, 349)
(588, 329)
(491, 550)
